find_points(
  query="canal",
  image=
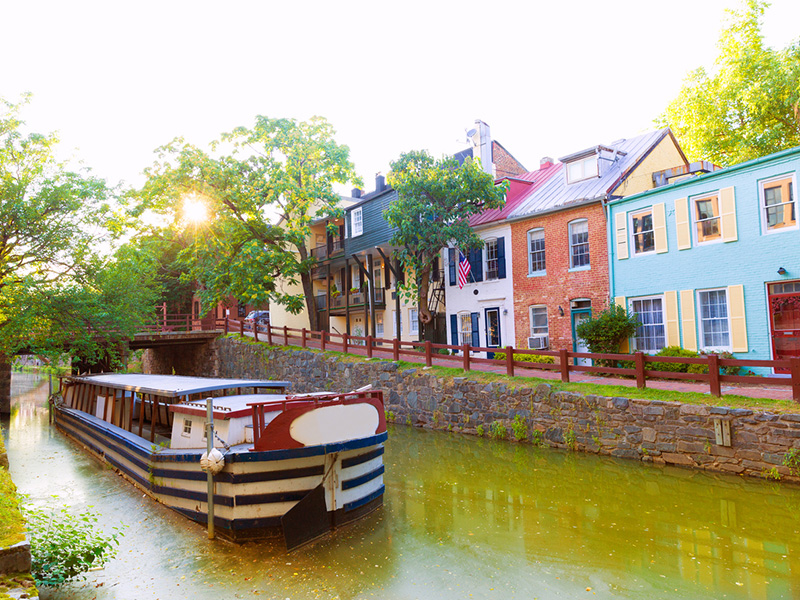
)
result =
(463, 518)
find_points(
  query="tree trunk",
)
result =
(308, 292)
(423, 285)
(5, 384)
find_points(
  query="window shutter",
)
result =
(738, 321)
(671, 318)
(727, 210)
(476, 336)
(660, 228)
(621, 228)
(451, 264)
(624, 345)
(501, 258)
(476, 265)
(682, 226)
(454, 330)
(688, 321)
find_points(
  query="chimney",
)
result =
(545, 162)
(355, 193)
(380, 183)
(482, 146)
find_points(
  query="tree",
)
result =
(56, 290)
(435, 200)
(748, 106)
(604, 332)
(262, 197)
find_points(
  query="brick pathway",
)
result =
(752, 391)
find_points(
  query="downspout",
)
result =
(609, 249)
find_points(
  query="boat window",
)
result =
(187, 427)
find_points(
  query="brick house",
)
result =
(559, 235)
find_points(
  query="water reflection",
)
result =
(462, 517)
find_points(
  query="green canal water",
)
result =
(463, 518)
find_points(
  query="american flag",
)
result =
(463, 270)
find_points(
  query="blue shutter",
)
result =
(501, 258)
(476, 338)
(476, 265)
(451, 264)
(454, 330)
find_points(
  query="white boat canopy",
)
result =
(174, 385)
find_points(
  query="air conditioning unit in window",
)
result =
(538, 342)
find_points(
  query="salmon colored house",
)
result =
(559, 235)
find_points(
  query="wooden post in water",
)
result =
(209, 448)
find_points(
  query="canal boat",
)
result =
(297, 465)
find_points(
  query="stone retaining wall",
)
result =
(647, 430)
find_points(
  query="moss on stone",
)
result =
(12, 525)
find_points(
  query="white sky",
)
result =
(119, 79)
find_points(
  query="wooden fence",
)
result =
(564, 361)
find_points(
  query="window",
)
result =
(650, 336)
(491, 259)
(379, 324)
(706, 218)
(356, 222)
(778, 202)
(579, 244)
(644, 239)
(714, 326)
(582, 169)
(377, 275)
(536, 263)
(187, 427)
(413, 321)
(465, 327)
(539, 321)
(394, 323)
(355, 277)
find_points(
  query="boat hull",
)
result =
(254, 490)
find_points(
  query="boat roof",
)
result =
(173, 385)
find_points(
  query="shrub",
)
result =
(673, 367)
(64, 545)
(604, 332)
(532, 358)
(537, 438)
(498, 430)
(519, 428)
(702, 369)
(480, 430)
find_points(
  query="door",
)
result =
(578, 344)
(492, 329)
(784, 308)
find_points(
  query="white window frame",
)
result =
(539, 330)
(413, 320)
(701, 323)
(634, 233)
(187, 428)
(465, 334)
(379, 324)
(572, 174)
(696, 220)
(572, 266)
(488, 244)
(394, 324)
(356, 222)
(762, 185)
(543, 270)
(634, 345)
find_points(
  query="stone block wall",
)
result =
(647, 430)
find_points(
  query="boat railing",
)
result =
(306, 403)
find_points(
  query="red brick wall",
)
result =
(505, 165)
(559, 286)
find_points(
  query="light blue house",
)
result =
(712, 262)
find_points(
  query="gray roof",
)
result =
(172, 385)
(616, 161)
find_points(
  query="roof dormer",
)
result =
(581, 165)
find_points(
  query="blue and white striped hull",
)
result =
(254, 489)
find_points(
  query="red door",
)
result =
(784, 306)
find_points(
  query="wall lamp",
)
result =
(560, 312)
(781, 271)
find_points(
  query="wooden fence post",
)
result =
(428, 353)
(641, 380)
(713, 373)
(269, 334)
(465, 350)
(344, 342)
(226, 325)
(395, 349)
(303, 341)
(794, 367)
(255, 330)
(369, 346)
(510, 361)
(563, 360)
(285, 335)
(322, 341)
(241, 327)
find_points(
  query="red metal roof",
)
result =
(519, 188)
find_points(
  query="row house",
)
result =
(559, 235)
(711, 263)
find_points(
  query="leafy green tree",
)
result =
(748, 105)
(604, 332)
(435, 200)
(262, 197)
(56, 290)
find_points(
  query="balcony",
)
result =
(357, 299)
(321, 301)
(332, 248)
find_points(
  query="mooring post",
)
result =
(209, 448)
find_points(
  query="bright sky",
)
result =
(118, 79)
